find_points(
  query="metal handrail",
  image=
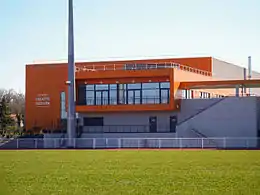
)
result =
(136, 66)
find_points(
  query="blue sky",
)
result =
(36, 30)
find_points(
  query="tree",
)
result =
(16, 103)
(5, 117)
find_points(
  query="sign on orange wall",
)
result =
(42, 100)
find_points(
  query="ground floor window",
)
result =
(93, 121)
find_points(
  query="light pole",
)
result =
(71, 79)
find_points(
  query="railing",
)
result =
(136, 66)
(126, 101)
(159, 143)
(125, 129)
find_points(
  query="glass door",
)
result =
(104, 98)
(98, 97)
(165, 96)
(130, 96)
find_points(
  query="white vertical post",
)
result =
(237, 90)
(106, 142)
(119, 142)
(247, 144)
(138, 143)
(202, 143)
(94, 143)
(17, 143)
(180, 146)
(160, 143)
(35, 143)
(224, 143)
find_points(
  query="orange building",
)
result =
(155, 85)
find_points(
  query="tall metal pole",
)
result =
(71, 80)
(249, 72)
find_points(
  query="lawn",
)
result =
(129, 172)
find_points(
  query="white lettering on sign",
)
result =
(42, 100)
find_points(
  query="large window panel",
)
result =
(150, 86)
(130, 97)
(122, 94)
(102, 87)
(134, 86)
(165, 85)
(105, 99)
(113, 97)
(165, 96)
(90, 87)
(151, 96)
(137, 97)
(113, 86)
(90, 97)
(63, 105)
(98, 97)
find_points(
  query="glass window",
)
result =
(128, 67)
(151, 93)
(90, 94)
(165, 85)
(150, 85)
(137, 97)
(188, 94)
(98, 97)
(113, 96)
(130, 97)
(165, 96)
(90, 87)
(63, 105)
(151, 96)
(90, 97)
(183, 94)
(141, 66)
(113, 86)
(102, 87)
(93, 121)
(122, 94)
(134, 86)
(104, 98)
(151, 66)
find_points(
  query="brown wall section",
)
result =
(48, 80)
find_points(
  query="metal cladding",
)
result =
(71, 78)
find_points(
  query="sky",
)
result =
(36, 30)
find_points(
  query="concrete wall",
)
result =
(137, 121)
(229, 117)
(228, 71)
(190, 107)
(232, 117)
(141, 119)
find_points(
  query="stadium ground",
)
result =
(129, 172)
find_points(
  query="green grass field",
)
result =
(129, 172)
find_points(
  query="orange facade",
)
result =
(45, 82)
